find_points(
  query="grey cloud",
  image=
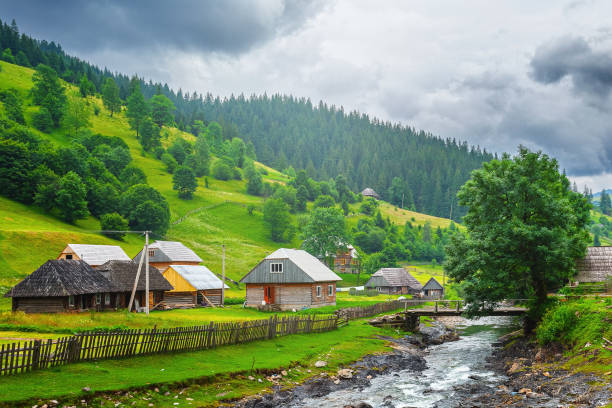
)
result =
(228, 26)
(589, 70)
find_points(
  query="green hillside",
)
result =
(215, 215)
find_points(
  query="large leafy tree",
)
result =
(325, 232)
(184, 182)
(137, 110)
(145, 209)
(162, 110)
(277, 219)
(76, 115)
(525, 230)
(71, 197)
(48, 92)
(110, 96)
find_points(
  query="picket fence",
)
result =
(99, 345)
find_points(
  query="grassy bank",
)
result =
(208, 369)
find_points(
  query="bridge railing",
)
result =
(455, 304)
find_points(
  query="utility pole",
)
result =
(223, 280)
(402, 201)
(147, 270)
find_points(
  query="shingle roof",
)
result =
(61, 277)
(170, 251)
(122, 274)
(310, 265)
(199, 276)
(596, 266)
(398, 277)
(432, 283)
(98, 254)
(369, 192)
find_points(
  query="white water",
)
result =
(449, 365)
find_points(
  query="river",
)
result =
(450, 366)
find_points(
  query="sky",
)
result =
(495, 73)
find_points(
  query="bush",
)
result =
(96, 110)
(555, 323)
(236, 173)
(159, 152)
(169, 161)
(234, 301)
(113, 222)
(352, 291)
(221, 171)
(42, 120)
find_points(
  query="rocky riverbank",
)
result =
(535, 379)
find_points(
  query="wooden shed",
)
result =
(433, 289)
(346, 260)
(596, 266)
(162, 254)
(59, 286)
(394, 281)
(193, 285)
(122, 275)
(290, 279)
(369, 192)
(94, 255)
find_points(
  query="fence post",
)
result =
(436, 306)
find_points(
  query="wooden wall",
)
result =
(177, 281)
(292, 295)
(40, 305)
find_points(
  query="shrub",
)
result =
(42, 120)
(555, 323)
(236, 173)
(113, 222)
(221, 171)
(169, 161)
(96, 110)
(234, 301)
(352, 291)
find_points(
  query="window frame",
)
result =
(319, 291)
(330, 290)
(98, 299)
(151, 253)
(68, 257)
(71, 302)
(107, 299)
(278, 264)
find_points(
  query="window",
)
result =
(318, 291)
(71, 301)
(107, 299)
(276, 267)
(379, 289)
(151, 253)
(330, 290)
(98, 298)
(68, 256)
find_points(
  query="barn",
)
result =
(94, 255)
(433, 289)
(290, 279)
(60, 285)
(369, 192)
(596, 266)
(122, 275)
(162, 254)
(394, 281)
(193, 285)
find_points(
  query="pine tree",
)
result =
(110, 96)
(605, 206)
(137, 110)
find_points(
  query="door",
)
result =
(269, 295)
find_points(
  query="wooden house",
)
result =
(596, 266)
(346, 260)
(193, 285)
(162, 254)
(94, 255)
(122, 275)
(432, 289)
(290, 279)
(369, 192)
(394, 281)
(59, 286)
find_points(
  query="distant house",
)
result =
(596, 266)
(122, 275)
(433, 289)
(368, 192)
(193, 285)
(61, 285)
(394, 281)
(346, 261)
(290, 278)
(162, 254)
(94, 255)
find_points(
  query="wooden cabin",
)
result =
(596, 266)
(60, 286)
(122, 275)
(369, 192)
(432, 289)
(193, 285)
(394, 281)
(94, 255)
(346, 260)
(162, 254)
(290, 279)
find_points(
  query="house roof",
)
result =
(432, 284)
(61, 277)
(199, 276)
(98, 254)
(170, 251)
(596, 266)
(395, 277)
(306, 268)
(122, 274)
(369, 192)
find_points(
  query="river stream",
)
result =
(451, 367)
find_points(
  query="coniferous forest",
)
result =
(405, 166)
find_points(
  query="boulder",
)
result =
(320, 363)
(345, 373)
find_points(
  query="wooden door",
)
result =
(269, 295)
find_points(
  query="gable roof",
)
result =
(596, 266)
(61, 277)
(170, 251)
(122, 274)
(432, 284)
(312, 269)
(369, 192)
(395, 277)
(198, 276)
(98, 254)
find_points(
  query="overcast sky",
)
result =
(494, 73)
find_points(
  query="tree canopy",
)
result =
(325, 232)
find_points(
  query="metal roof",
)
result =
(199, 276)
(170, 251)
(314, 268)
(99, 254)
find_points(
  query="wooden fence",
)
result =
(99, 345)
(351, 313)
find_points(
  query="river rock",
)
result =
(345, 373)
(320, 363)
(524, 390)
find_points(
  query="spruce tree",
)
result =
(110, 96)
(137, 110)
